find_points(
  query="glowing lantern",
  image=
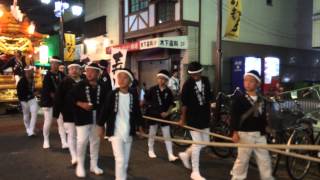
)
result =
(43, 54)
(31, 28)
(1, 13)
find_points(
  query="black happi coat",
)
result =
(25, 89)
(197, 115)
(50, 85)
(63, 100)
(105, 80)
(157, 102)
(254, 122)
(81, 116)
(110, 110)
(16, 65)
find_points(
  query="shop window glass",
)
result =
(137, 5)
(165, 11)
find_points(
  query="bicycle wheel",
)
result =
(180, 133)
(317, 153)
(223, 129)
(298, 168)
(275, 157)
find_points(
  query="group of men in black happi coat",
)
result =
(88, 107)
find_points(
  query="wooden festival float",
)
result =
(17, 32)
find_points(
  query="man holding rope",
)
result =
(248, 123)
(196, 97)
(159, 100)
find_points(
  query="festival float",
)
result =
(17, 32)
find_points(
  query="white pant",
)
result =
(30, 107)
(71, 140)
(62, 131)
(240, 167)
(194, 149)
(121, 151)
(166, 134)
(47, 112)
(86, 134)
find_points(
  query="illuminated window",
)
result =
(165, 11)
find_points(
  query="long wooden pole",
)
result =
(266, 146)
(216, 144)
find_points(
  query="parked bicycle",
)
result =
(299, 131)
(220, 123)
(303, 134)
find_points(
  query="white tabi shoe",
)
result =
(185, 160)
(152, 155)
(64, 146)
(196, 176)
(172, 158)
(80, 172)
(96, 170)
(31, 134)
(46, 145)
(28, 132)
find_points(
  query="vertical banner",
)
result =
(118, 61)
(238, 70)
(70, 47)
(233, 23)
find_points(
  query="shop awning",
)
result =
(174, 42)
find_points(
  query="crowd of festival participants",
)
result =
(87, 107)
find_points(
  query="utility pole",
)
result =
(61, 50)
(217, 60)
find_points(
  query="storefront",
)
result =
(146, 57)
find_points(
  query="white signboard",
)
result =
(176, 42)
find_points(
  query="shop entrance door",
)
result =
(149, 69)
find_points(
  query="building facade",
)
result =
(168, 37)
(267, 28)
(168, 34)
(102, 27)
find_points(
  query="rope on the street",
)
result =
(235, 145)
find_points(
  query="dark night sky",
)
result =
(43, 15)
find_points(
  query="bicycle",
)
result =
(301, 132)
(299, 168)
(220, 123)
